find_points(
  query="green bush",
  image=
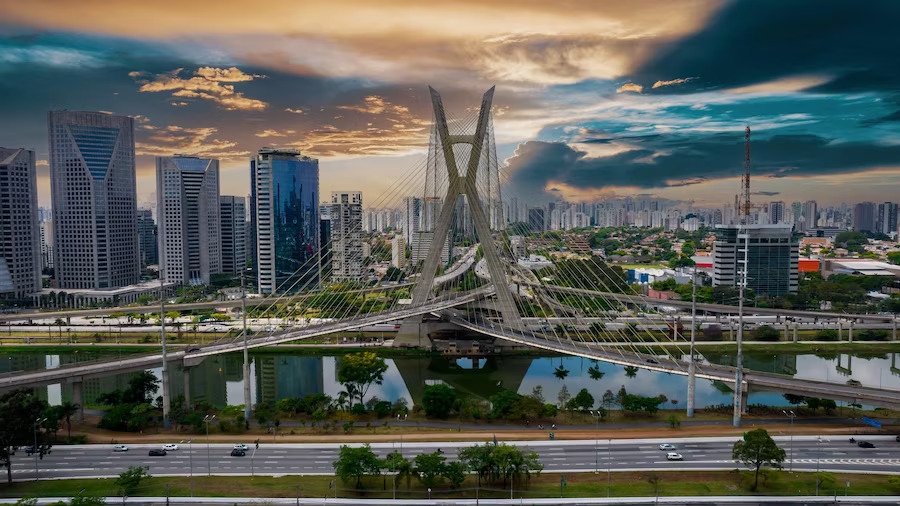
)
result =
(827, 335)
(766, 333)
(873, 335)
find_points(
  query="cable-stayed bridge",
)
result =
(460, 204)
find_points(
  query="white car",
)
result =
(120, 448)
(674, 456)
(241, 446)
(170, 447)
(666, 446)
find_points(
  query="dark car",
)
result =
(865, 444)
(191, 350)
(29, 450)
(238, 453)
(897, 439)
(652, 361)
(157, 453)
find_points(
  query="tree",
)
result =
(595, 373)
(87, 500)
(563, 397)
(561, 372)
(439, 400)
(356, 463)
(608, 399)
(758, 449)
(395, 463)
(894, 257)
(141, 387)
(66, 410)
(430, 468)
(766, 333)
(18, 411)
(582, 401)
(503, 403)
(131, 479)
(537, 393)
(358, 371)
(455, 472)
(631, 371)
(794, 399)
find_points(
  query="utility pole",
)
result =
(247, 407)
(692, 367)
(738, 369)
(165, 362)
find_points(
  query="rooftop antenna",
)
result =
(744, 211)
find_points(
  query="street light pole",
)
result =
(247, 407)
(792, 415)
(37, 423)
(165, 362)
(692, 368)
(596, 442)
(207, 419)
(738, 370)
(191, 459)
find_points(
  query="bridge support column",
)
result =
(745, 394)
(850, 332)
(786, 326)
(795, 331)
(894, 329)
(78, 399)
(186, 377)
(840, 329)
(410, 333)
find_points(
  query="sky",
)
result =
(594, 98)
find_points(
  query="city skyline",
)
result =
(619, 98)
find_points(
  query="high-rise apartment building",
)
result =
(776, 212)
(187, 196)
(412, 212)
(886, 222)
(864, 217)
(46, 244)
(398, 251)
(233, 215)
(285, 210)
(92, 181)
(147, 237)
(346, 236)
(20, 240)
(772, 258)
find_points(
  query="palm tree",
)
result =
(66, 410)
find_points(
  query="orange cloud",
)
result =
(630, 87)
(206, 84)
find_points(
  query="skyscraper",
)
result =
(147, 237)
(285, 208)
(92, 183)
(234, 242)
(20, 240)
(887, 218)
(776, 212)
(187, 195)
(772, 256)
(864, 217)
(412, 211)
(346, 236)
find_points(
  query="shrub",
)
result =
(873, 335)
(827, 335)
(766, 333)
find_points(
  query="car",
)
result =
(241, 446)
(674, 456)
(192, 350)
(666, 446)
(854, 383)
(120, 448)
(170, 447)
(157, 453)
(29, 450)
(238, 453)
(865, 444)
(652, 361)
(897, 439)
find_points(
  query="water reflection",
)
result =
(219, 380)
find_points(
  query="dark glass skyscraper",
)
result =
(286, 213)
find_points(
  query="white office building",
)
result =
(398, 251)
(20, 241)
(187, 196)
(92, 181)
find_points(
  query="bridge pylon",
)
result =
(463, 181)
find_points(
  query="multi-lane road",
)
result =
(809, 453)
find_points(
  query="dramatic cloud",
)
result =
(274, 133)
(170, 140)
(659, 84)
(206, 84)
(666, 161)
(636, 88)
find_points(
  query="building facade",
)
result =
(285, 208)
(233, 215)
(93, 189)
(772, 256)
(886, 222)
(147, 237)
(398, 252)
(346, 236)
(187, 195)
(20, 234)
(864, 217)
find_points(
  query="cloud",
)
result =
(630, 87)
(668, 161)
(294, 111)
(201, 141)
(659, 84)
(205, 84)
(274, 133)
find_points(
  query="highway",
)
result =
(835, 454)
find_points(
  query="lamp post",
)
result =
(37, 423)
(792, 415)
(819, 442)
(596, 415)
(692, 367)
(207, 419)
(191, 460)
(247, 402)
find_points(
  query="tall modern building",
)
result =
(346, 236)
(187, 196)
(92, 183)
(412, 216)
(886, 222)
(776, 212)
(147, 237)
(398, 252)
(285, 211)
(46, 244)
(864, 217)
(772, 256)
(233, 215)
(20, 240)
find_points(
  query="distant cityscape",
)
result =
(98, 248)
